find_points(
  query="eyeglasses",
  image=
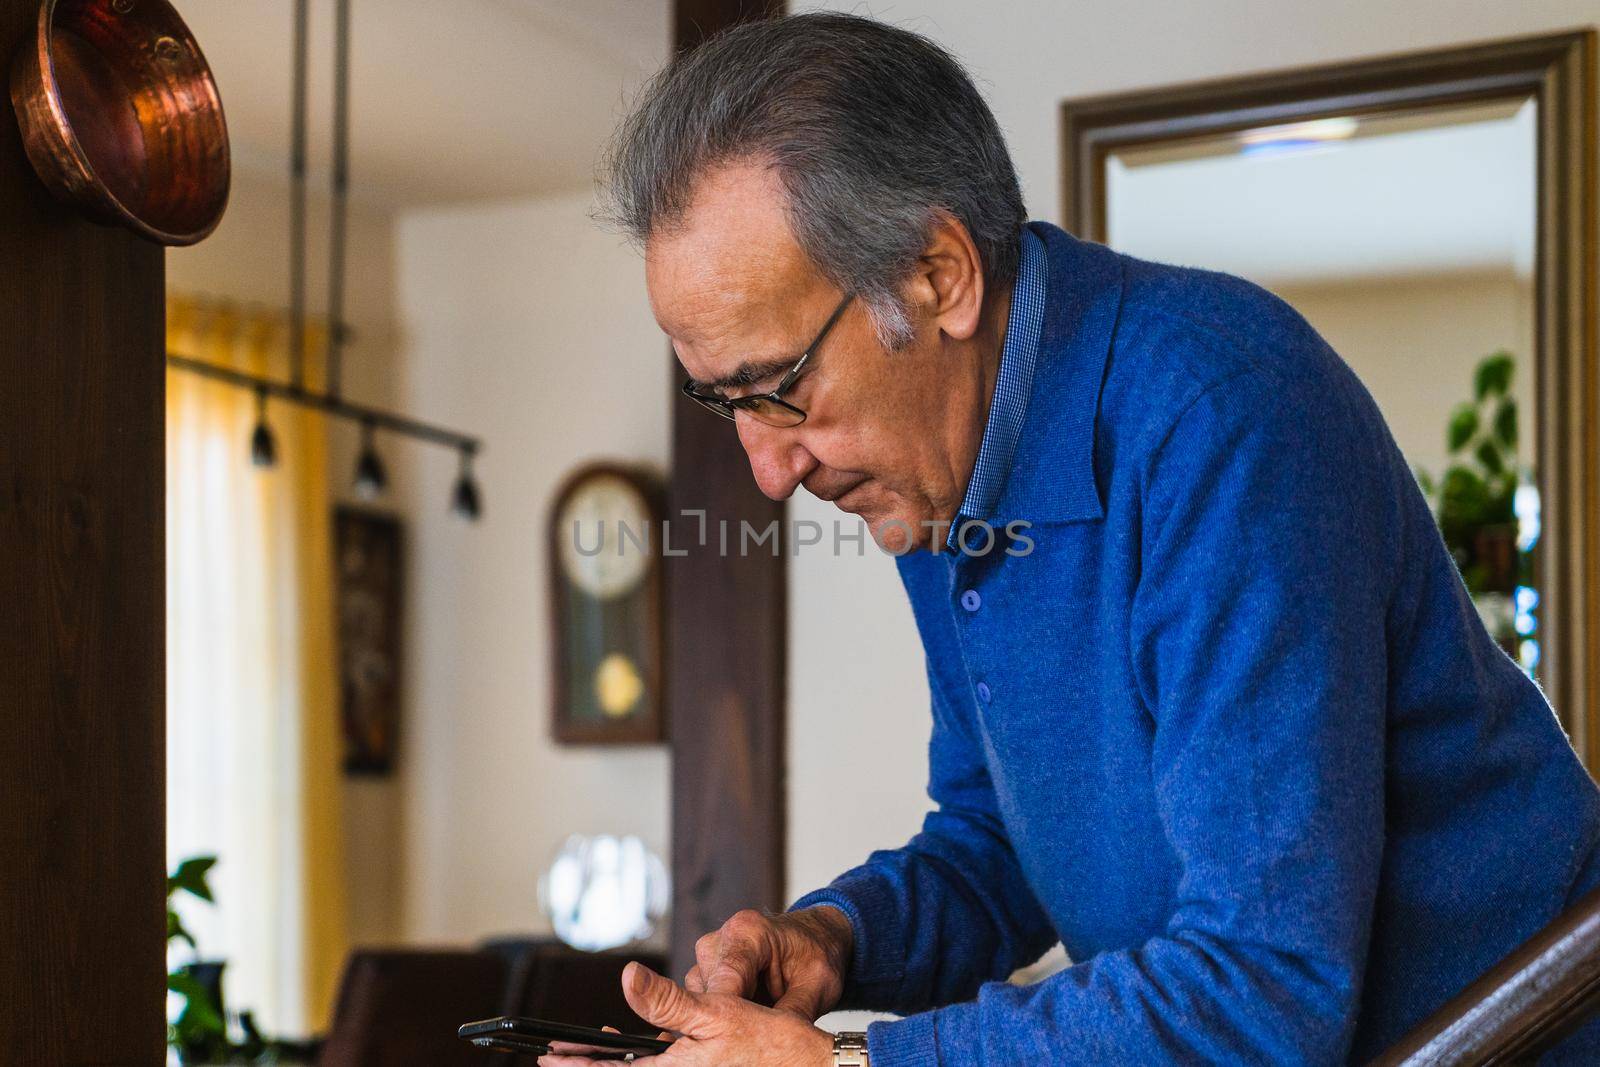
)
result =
(769, 408)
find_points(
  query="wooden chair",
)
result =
(401, 1007)
(549, 980)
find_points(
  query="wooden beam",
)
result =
(695, 20)
(82, 671)
(726, 641)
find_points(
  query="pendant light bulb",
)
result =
(371, 477)
(464, 499)
(263, 447)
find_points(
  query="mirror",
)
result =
(1427, 215)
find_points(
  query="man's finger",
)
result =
(662, 1002)
(694, 981)
(735, 976)
(803, 999)
(742, 952)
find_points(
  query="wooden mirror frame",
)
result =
(1558, 70)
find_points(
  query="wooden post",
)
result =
(726, 641)
(82, 672)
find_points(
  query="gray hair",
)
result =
(874, 132)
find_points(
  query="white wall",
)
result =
(528, 325)
(862, 719)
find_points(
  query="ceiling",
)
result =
(491, 99)
(449, 101)
(1454, 196)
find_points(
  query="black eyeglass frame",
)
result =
(728, 407)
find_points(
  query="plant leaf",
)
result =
(191, 877)
(1505, 423)
(1425, 482)
(1493, 376)
(175, 929)
(1463, 499)
(1488, 455)
(1463, 426)
(199, 1013)
(1502, 504)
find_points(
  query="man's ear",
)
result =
(946, 286)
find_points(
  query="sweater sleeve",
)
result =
(1267, 763)
(949, 910)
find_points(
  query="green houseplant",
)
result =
(1474, 500)
(199, 1032)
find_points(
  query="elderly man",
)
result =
(1211, 705)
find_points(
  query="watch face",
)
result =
(605, 536)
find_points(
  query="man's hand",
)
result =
(795, 962)
(718, 1029)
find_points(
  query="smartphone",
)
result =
(539, 1036)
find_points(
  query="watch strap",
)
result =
(850, 1049)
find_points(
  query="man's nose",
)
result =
(777, 458)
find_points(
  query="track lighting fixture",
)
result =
(371, 478)
(263, 448)
(464, 499)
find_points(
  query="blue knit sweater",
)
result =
(1224, 721)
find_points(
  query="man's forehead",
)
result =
(730, 258)
(695, 294)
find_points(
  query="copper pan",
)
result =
(120, 116)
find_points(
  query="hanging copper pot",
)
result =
(121, 117)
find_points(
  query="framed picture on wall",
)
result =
(367, 595)
(605, 552)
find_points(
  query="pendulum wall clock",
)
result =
(606, 536)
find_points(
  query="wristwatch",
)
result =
(850, 1050)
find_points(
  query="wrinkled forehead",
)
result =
(730, 271)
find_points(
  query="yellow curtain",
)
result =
(253, 739)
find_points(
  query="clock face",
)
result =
(605, 535)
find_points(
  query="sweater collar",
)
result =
(1052, 474)
(1014, 381)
